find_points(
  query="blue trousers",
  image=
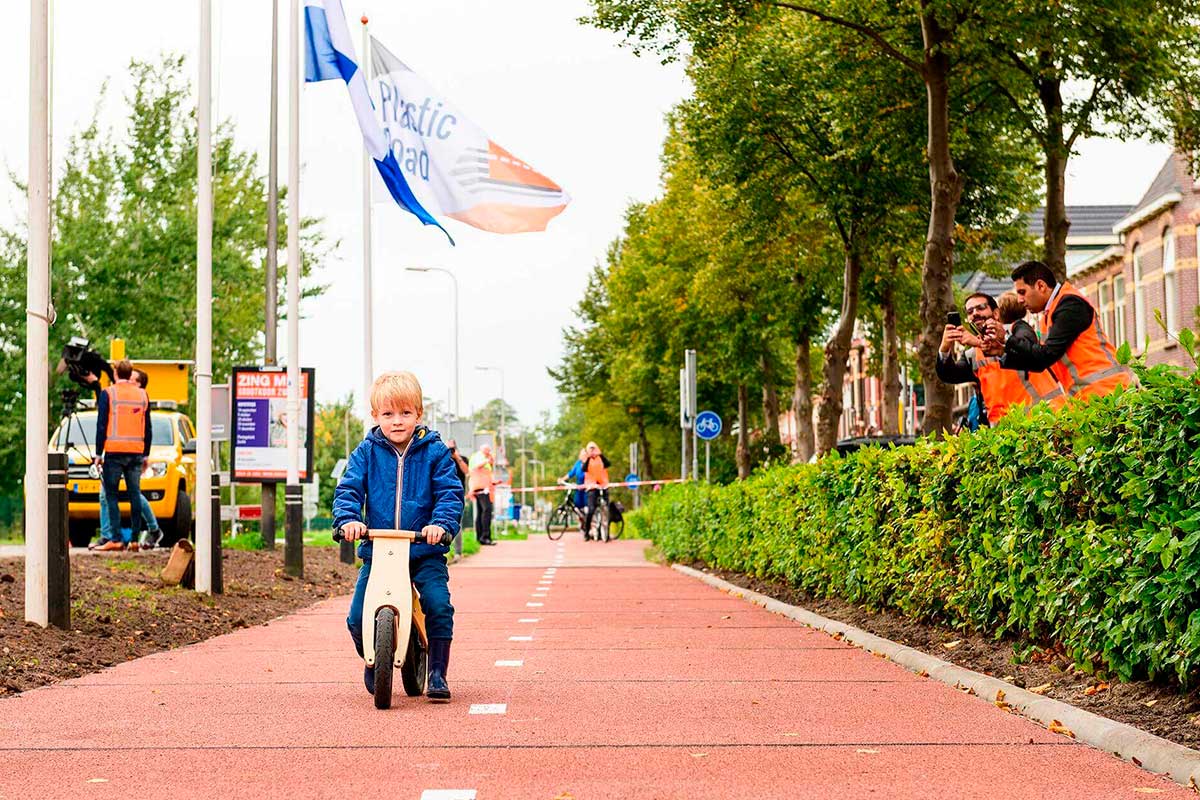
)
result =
(129, 467)
(432, 578)
(106, 529)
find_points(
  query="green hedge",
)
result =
(1079, 528)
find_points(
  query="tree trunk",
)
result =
(937, 293)
(743, 437)
(1055, 222)
(837, 351)
(891, 360)
(803, 446)
(644, 451)
(770, 404)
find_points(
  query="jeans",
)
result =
(106, 528)
(431, 577)
(483, 517)
(117, 466)
(593, 501)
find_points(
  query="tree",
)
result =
(124, 245)
(1120, 60)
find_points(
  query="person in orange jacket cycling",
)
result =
(595, 478)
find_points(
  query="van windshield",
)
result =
(81, 432)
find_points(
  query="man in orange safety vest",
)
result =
(122, 444)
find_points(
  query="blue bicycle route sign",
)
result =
(708, 425)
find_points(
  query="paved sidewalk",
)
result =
(603, 676)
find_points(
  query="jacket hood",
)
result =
(422, 436)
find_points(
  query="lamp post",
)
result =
(502, 454)
(454, 280)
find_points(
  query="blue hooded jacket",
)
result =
(432, 490)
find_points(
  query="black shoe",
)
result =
(152, 539)
(439, 659)
(489, 541)
(369, 679)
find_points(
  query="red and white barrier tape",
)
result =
(562, 487)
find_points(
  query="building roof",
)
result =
(1164, 190)
(979, 281)
(1085, 221)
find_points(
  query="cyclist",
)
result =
(576, 476)
(595, 478)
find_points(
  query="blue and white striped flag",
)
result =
(329, 55)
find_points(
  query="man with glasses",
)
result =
(1000, 388)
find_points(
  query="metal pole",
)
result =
(37, 322)
(690, 357)
(271, 326)
(368, 294)
(707, 455)
(294, 531)
(683, 424)
(204, 213)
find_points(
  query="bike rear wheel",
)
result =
(615, 529)
(561, 519)
(385, 656)
(416, 665)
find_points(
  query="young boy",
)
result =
(407, 480)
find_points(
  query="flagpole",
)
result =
(271, 328)
(293, 535)
(204, 221)
(368, 309)
(37, 323)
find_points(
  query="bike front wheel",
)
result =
(385, 656)
(600, 523)
(560, 520)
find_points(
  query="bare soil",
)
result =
(121, 611)
(1156, 707)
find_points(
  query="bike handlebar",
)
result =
(387, 533)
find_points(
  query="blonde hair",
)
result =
(398, 390)
(1011, 308)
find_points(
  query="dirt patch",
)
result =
(121, 611)
(1158, 708)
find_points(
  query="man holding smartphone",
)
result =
(1000, 388)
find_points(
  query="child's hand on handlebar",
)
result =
(433, 534)
(354, 530)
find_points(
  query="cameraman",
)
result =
(85, 366)
(123, 428)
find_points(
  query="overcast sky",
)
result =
(560, 95)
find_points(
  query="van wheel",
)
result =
(81, 532)
(180, 524)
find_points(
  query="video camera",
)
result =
(82, 364)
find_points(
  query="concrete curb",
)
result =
(1151, 753)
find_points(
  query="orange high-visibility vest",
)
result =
(596, 472)
(1004, 388)
(1089, 367)
(128, 406)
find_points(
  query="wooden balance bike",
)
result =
(388, 645)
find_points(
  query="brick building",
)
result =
(1151, 269)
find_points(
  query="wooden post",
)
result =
(58, 576)
(218, 576)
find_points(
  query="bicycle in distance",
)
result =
(608, 521)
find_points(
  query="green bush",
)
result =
(1080, 528)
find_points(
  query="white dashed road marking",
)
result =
(510, 663)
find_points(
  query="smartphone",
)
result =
(954, 318)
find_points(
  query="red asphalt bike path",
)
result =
(628, 680)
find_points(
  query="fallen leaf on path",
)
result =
(1045, 687)
(727, 616)
(564, 796)
(698, 755)
(1058, 727)
(952, 645)
(1099, 687)
(866, 751)
(1149, 703)
(97, 780)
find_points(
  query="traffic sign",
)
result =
(708, 425)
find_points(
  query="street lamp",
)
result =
(503, 456)
(457, 393)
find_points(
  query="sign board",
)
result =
(258, 442)
(685, 419)
(220, 413)
(708, 425)
(311, 497)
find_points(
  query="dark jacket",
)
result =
(432, 490)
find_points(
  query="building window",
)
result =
(1139, 301)
(1105, 306)
(1118, 293)
(1170, 300)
